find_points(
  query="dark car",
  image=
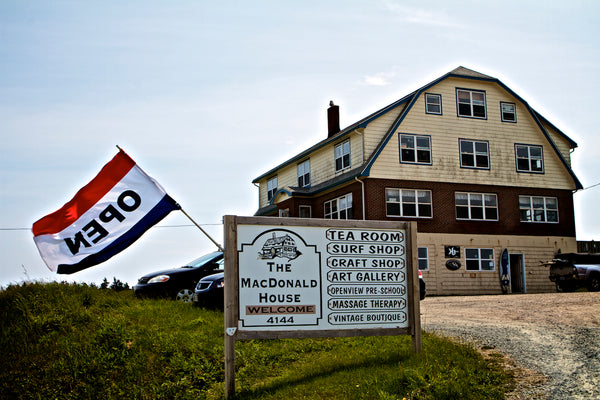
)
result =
(179, 283)
(209, 291)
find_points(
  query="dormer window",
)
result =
(271, 188)
(471, 103)
(304, 174)
(342, 156)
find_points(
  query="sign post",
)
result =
(296, 278)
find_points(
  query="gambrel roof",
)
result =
(407, 103)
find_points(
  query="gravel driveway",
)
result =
(553, 337)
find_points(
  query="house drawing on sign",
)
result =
(279, 246)
(465, 157)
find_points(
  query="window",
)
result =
(479, 259)
(271, 188)
(474, 154)
(423, 255)
(305, 211)
(509, 113)
(304, 174)
(340, 208)
(476, 206)
(433, 103)
(415, 149)
(538, 209)
(342, 156)
(529, 158)
(408, 203)
(470, 103)
(284, 213)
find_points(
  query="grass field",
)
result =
(73, 341)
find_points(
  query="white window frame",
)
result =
(415, 149)
(304, 174)
(338, 208)
(473, 104)
(530, 158)
(423, 257)
(342, 154)
(433, 100)
(483, 264)
(397, 196)
(504, 113)
(476, 153)
(538, 209)
(271, 188)
(472, 205)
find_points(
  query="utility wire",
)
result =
(156, 226)
(589, 187)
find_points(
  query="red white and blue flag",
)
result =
(105, 217)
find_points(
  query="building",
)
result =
(464, 156)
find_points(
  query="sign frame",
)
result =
(232, 290)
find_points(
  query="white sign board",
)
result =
(291, 277)
(321, 278)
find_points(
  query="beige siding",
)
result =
(322, 161)
(441, 280)
(446, 130)
(563, 146)
(378, 128)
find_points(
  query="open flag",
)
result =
(106, 216)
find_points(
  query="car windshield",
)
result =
(198, 262)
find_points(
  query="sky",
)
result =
(207, 95)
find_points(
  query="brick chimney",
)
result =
(333, 119)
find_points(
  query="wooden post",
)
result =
(230, 306)
(415, 310)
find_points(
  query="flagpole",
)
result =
(203, 231)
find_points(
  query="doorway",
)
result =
(517, 273)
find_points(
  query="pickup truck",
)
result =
(571, 271)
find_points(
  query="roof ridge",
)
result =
(469, 73)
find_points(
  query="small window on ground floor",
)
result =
(479, 259)
(423, 254)
(305, 211)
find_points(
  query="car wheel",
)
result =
(594, 284)
(185, 295)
